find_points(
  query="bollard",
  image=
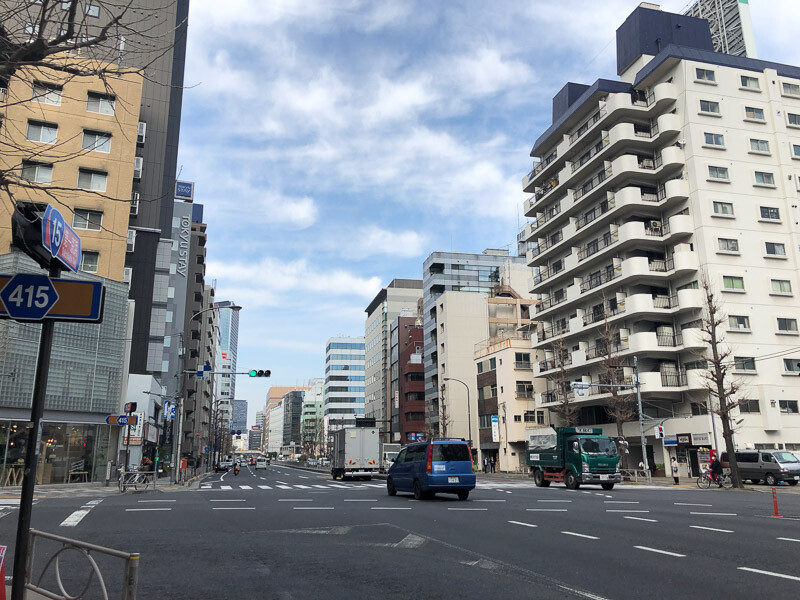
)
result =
(775, 503)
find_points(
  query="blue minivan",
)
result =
(427, 468)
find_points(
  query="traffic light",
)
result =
(659, 432)
(26, 232)
(260, 373)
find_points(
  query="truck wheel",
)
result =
(390, 487)
(333, 474)
(539, 480)
(418, 495)
(607, 486)
(571, 481)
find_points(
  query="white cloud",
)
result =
(358, 243)
(486, 72)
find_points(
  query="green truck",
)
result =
(573, 455)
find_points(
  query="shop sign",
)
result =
(701, 439)
(670, 439)
(151, 433)
(684, 439)
(134, 433)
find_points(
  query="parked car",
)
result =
(769, 466)
(261, 463)
(428, 468)
(223, 466)
(312, 462)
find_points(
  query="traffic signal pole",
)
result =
(34, 428)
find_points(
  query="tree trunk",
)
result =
(620, 436)
(727, 434)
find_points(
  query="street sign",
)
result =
(60, 239)
(33, 297)
(495, 429)
(130, 407)
(169, 411)
(122, 420)
(28, 297)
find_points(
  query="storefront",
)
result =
(69, 452)
(692, 451)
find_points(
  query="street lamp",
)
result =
(469, 410)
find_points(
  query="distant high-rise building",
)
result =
(292, 413)
(229, 344)
(239, 419)
(275, 395)
(730, 24)
(344, 382)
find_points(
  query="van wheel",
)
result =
(571, 481)
(607, 486)
(463, 495)
(770, 480)
(539, 480)
(390, 487)
(418, 495)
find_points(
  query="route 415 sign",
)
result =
(28, 297)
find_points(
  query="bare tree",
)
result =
(559, 383)
(445, 420)
(718, 376)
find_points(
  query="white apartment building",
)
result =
(688, 166)
(344, 382)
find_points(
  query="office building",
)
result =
(275, 396)
(292, 414)
(464, 272)
(275, 437)
(685, 168)
(344, 382)
(254, 438)
(312, 425)
(229, 344)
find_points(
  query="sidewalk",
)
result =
(54, 490)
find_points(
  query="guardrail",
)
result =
(635, 475)
(129, 579)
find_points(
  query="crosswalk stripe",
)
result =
(264, 487)
(284, 487)
(302, 487)
(245, 487)
(324, 487)
(336, 485)
(225, 487)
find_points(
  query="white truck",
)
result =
(389, 452)
(356, 453)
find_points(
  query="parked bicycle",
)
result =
(706, 480)
(138, 480)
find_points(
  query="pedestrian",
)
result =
(493, 459)
(674, 465)
(485, 465)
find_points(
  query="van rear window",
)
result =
(442, 452)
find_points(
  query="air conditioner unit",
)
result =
(138, 165)
(655, 225)
(135, 204)
(127, 274)
(141, 133)
(131, 240)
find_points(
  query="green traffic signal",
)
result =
(260, 373)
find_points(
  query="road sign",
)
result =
(495, 429)
(169, 411)
(130, 407)
(28, 297)
(25, 295)
(122, 420)
(60, 239)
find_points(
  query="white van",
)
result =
(261, 463)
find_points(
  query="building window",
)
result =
(91, 10)
(46, 133)
(87, 219)
(709, 107)
(787, 325)
(744, 363)
(775, 249)
(705, 75)
(699, 408)
(738, 323)
(749, 407)
(692, 285)
(763, 178)
(791, 89)
(718, 173)
(795, 150)
(715, 139)
(794, 120)
(768, 212)
(37, 172)
(728, 245)
(46, 93)
(751, 83)
(96, 141)
(791, 365)
(92, 180)
(31, 29)
(723, 209)
(733, 283)
(517, 418)
(100, 103)
(89, 261)
(781, 286)
(131, 240)
(761, 146)
(788, 407)
(754, 114)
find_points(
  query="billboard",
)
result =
(730, 23)
(184, 190)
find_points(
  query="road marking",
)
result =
(619, 502)
(467, 509)
(283, 482)
(147, 501)
(245, 487)
(583, 594)
(711, 529)
(264, 487)
(787, 539)
(714, 513)
(75, 518)
(488, 500)
(523, 524)
(781, 575)
(231, 500)
(656, 550)
(641, 519)
(360, 500)
(225, 487)
(580, 535)
(410, 541)
(295, 500)
(316, 485)
(389, 508)
(302, 477)
(336, 485)
(312, 508)
(284, 487)
(302, 487)
(233, 508)
(586, 492)
(145, 509)
(554, 500)
(689, 504)
(546, 509)
(626, 510)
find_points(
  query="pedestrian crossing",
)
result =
(286, 486)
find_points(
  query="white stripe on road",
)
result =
(283, 482)
(619, 502)
(316, 485)
(648, 549)
(642, 519)
(225, 487)
(302, 487)
(554, 500)
(360, 500)
(488, 500)
(144, 509)
(146, 501)
(787, 539)
(312, 508)
(781, 575)
(714, 513)
(233, 508)
(523, 524)
(302, 477)
(245, 487)
(689, 504)
(336, 485)
(711, 529)
(284, 487)
(295, 500)
(231, 500)
(74, 518)
(467, 509)
(580, 535)
(264, 487)
(389, 508)
(546, 509)
(583, 594)
(626, 510)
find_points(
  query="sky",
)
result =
(336, 143)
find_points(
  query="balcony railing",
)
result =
(553, 331)
(548, 272)
(665, 301)
(539, 166)
(552, 396)
(649, 132)
(594, 281)
(586, 157)
(661, 266)
(591, 183)
(642, 99)
(552, 363)
(656, 229)
(669, 339)
(550, 302)
(554, 239)
(587, 125)
(595, 246)
(528, 393)
(549, 214)
(603, 349)
(523, 365)
(596, 315)
(676, 379)
(593, 214)
(545, 189)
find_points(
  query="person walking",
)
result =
(485, 465)
(493, 464)
(674, 465)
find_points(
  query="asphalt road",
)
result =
(288, 534)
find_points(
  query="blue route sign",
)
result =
(28, 297)
(122, 420)
(60, 239)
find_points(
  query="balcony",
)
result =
(546, 216)
(586, 126)
(656, 101)
(596, 245)
(523, 366)
(548, 187)
(549, 302)
(651, 342)
(552, 364)
(548, 272)
(595, 316)
(540, 169)
(601, 350)
(591, 183)
(551, 332)
(672, 382)
(594, 213)
(541, 247)
(598, 279)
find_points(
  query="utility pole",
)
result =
(641, 417)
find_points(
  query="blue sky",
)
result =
(336, 143)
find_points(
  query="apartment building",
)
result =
(686, 167)
(407, 387)
(399, 295)
(461, 272)
(344, 382)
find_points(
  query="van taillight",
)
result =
(429, 466)
(471, 463)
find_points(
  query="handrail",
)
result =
(587, 156)
(591, 183)
(549, 303)
(586, 125)
(590, 216)
(594, 317)
(596, 245)
(549, 214)
(591, 282)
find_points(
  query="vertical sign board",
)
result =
(495, 429)
(60, 239)
(137, 429)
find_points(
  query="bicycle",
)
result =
(136, 480)
(706, 480)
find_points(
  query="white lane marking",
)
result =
(283, 482)
(467, 509)
(75, 518)
(145, 509)
(580, 535)
(619, 502)
(488, 500)
(302, 487)
(233, 508)
(302, 477)
(523, 524)
(714, 513)
(389, 508)
(781, 575)
(150, 501)
(546, 509)
(656, 550)
(225, 487)
(586, 492)
(642, 519)
(231, 500)
(284, 487)
(375, 485)
(689, 504)
(312, 508)
(711, 529)
(583, 594)
(323, 487)
(295, 500)
(554, 500)
(626, 510)
(264, 487)
(245, 487)
(336, 485)
(360, 500)
(787, 539)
